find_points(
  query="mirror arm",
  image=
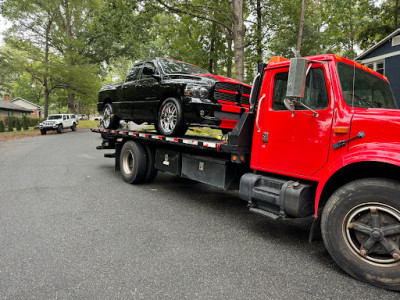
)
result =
(313, 111)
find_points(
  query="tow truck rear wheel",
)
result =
(361, 229)
(151, 171)
(133, 162)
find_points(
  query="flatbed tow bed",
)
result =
(203, 158)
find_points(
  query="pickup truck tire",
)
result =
(60, 128)
(43, 131)
(110, 121)
(151, 171)
(170, 118)
(133, 162)
(361, 229)
(73, 128)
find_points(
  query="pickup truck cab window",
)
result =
(315, 95)
(134, 73)
(364, 90)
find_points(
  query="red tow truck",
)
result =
(321, 138)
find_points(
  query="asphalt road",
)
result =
(70, 228)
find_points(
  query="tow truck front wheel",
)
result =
(361, 229)
(133, 162)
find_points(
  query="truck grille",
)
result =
(232, 92)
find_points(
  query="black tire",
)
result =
(170, 118)
(361, 229)
(43, 131)
(60, 128)
(110, 121)
(133, 162)
(151, 171)
(73, 128)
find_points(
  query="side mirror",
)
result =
(148, 71)
(297, 78)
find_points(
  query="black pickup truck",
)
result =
(173, 95)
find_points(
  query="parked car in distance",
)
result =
(58, 122)
(173, 95)
(81, 117)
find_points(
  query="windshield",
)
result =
(367, 90)
(173, 66)
(54, 117)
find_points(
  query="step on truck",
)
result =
(321, 139)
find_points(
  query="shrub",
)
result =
(2, 128)
(25, 123)
(18, 124)
(10, 126)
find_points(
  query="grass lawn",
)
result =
(18, 134)
(87, 124)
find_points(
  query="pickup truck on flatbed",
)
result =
(320, 139)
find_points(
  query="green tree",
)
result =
(18, 124)
(2, 129)
(25, 123)
(10, 126)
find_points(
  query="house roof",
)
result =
(381, 42)
(19, 98)
(5, 105)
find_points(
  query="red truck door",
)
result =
(290, 143)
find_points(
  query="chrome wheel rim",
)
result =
(372, 230)
(107, 115)
(127, 162)
(169, 116)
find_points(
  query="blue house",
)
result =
(384, 58)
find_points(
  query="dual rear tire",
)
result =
(137, 163)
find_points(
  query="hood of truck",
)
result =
(206, 79)
(381, 128)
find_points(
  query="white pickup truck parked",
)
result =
(58, 122)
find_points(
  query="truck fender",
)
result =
(384, 153)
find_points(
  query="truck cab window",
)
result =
(315, 94)
(364, 90)
(134, 73)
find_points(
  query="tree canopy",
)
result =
(58, 53)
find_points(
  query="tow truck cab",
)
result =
(340, 125)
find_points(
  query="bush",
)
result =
(25, 123)
(10, 126)
(2, 128)
(18, 124)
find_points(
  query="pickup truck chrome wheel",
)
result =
(110, 121)
(360, 226)
(170, 118)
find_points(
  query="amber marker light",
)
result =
(341, 130)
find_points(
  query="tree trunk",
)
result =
(238, 37)
(259, 33)
(211, 65)
(71, 103)
(46, 69)
(229, 57)
(301, 26)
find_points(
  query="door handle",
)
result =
(258, 112)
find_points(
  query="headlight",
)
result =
(197, 91)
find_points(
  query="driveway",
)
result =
(70, 228)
